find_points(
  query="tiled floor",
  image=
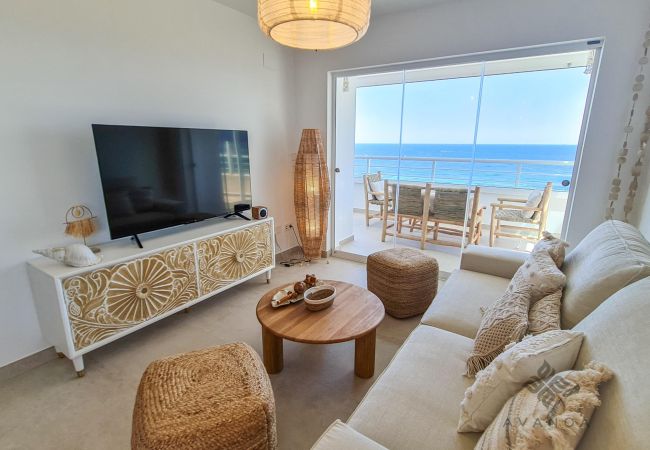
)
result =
(48, 407)
(367, 240)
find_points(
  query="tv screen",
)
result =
(156, 178)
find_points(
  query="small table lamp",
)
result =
(80, 222)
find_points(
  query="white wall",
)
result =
(461, 27)
(69, 63)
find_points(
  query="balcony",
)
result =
(497, 178)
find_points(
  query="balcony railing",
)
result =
(500, 173)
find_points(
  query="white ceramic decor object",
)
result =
(75, 255)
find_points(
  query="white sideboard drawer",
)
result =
(106, 301)
(226, 259)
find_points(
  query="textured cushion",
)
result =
(411, 406)
(500, 262)
(507, 320)
(511, 371)
(513, 215)
(554, 246)
(541, 275)
(548, 414)
(340, 436)
(534, 199)
(457, 307)
(612, 256)
(404, 279)
(377, 186)
(215, 398)
(617, 334)
(544, 314)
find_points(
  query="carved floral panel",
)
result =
(105, 301)
(231, 257)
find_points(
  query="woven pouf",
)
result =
(405, 280)
(219, 398)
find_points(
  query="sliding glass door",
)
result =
(495, 140)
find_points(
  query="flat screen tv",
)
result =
(155, 178)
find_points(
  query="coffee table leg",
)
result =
(364, 355)
(272, 349)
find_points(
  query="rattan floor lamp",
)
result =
(311, 193)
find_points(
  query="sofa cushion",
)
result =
(550, 413)
(507, 320)
(459, 304)
(554, 246)
(340, 436)
(517, 366)
(617, 334)
(544, 314)
(414, 404)
(609, 258)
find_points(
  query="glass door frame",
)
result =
(595, 44)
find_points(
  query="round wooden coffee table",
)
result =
(355, 314)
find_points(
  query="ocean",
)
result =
(534, 174)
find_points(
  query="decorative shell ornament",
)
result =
(75, 255)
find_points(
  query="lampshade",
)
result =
(311, 195)
(314, 24)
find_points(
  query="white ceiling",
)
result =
(379, 7)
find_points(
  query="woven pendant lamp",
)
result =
(314, 24)
(311, 193)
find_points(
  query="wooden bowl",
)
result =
(320, 297)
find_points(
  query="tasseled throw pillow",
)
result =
(554, 246)
(506, 320)
(549, 414)
(513, 369)
(544, 314)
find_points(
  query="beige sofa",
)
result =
(414, 404)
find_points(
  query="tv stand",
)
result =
(137, 240)
(84, 308)
(236, 214)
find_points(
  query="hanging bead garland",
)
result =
(621, 160)
(638, 166)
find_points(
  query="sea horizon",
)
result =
(494, 174)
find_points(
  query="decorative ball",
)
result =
(300, 287)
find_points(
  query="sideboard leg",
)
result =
(78, 363)
(268, 277)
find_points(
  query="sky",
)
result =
(544, 107)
